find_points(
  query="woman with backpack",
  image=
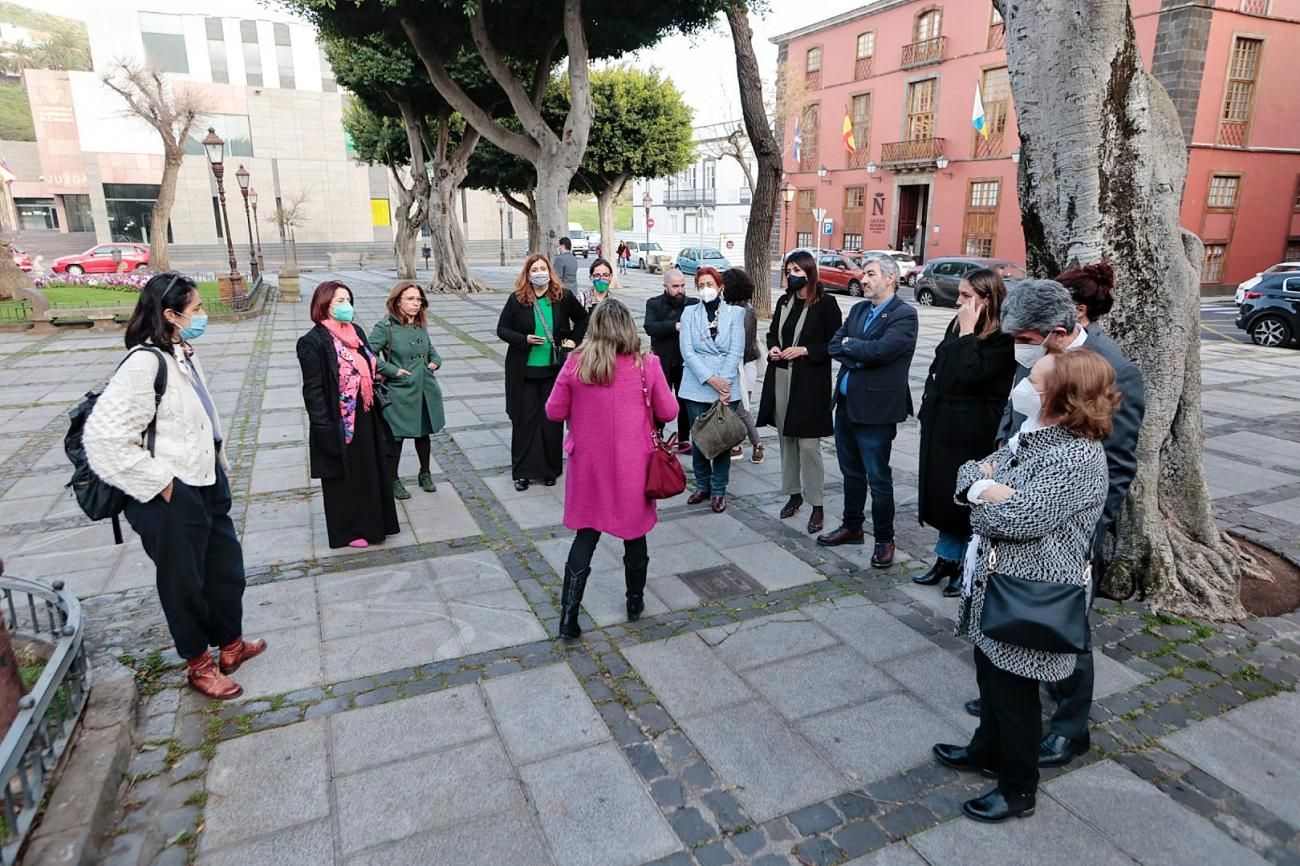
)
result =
(180, 495)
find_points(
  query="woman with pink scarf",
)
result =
(348, 440)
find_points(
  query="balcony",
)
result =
(1232, 133)
(690, 197)
(924, 53)
(813, 79)
(988, 148)
(916, 154)
(1254, 7)
(997, 36)
(862, 68)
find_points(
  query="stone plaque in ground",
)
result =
(722, 581)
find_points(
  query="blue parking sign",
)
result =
(828, 226)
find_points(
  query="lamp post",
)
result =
(242, 177)
(646, 201)
(501, 226)
(257, 229)
(787, 195)
(215, 149)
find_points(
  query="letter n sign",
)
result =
(878, 204)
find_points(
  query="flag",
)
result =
(977, 114)
(798, 140)
(6, 173)
(849, 143)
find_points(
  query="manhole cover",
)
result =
(722, 581)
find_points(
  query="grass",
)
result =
(92, 296)
(585, 212)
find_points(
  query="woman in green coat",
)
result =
(407, 361)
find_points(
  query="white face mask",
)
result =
(1025, 399)
(1027, 355)
(708, 294)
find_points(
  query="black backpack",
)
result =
(97, 497)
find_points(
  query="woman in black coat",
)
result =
(797, 389)
(349, 441)
(541, 321)
(965, 393)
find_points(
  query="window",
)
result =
(920, 110)
(995, 92)
(130, 210)
(805, 225)
(811, 133)
(852, 241)
(710, 174)
(1292, 250)
(1295, 207)
(252, 52)
(927, 25)
(803, 239)
(984, 193)
(866, 51)
(1239, 95)
(1223, 191)
(233, 129)
(860, 109)
(1212, 269)
(283, 55)
(997, 31)
(217, 50)
(164, 42)
(327, 82)
(854, 196)
(979, 228)
(855, 199)
(813, 68)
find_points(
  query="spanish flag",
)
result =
(849, 144)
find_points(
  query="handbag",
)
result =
(1036, 614)
(718, 430)
(665, 477)
(558, 353)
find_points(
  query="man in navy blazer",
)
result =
(874, 347)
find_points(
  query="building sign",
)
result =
(878, 205)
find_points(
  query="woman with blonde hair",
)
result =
(612, 395)
(407, 361)
(541, 321)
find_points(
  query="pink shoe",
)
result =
(359, 543)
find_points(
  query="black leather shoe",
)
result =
(959, 758)
(995, 807)
(549, 482)
(883, 555)
(521, 484)
(936, 573)
(973, 707)
(843, 535)
(1057, 751)
(953, 589)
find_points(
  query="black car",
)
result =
(937, 284)
(1270, 312)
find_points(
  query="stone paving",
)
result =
(413, 708)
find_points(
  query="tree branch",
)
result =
(515, 203)
(528, 112)
(575, 38)
(542, 74)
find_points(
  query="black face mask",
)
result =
(795, 282)
(675, 300)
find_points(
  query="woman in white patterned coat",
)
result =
(1036, 500)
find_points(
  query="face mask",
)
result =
(343, 312)
(708, 294)
(796, 282)
(539, 279)
(1028, 355)
(198, 324)
(1026, 400)
(601, 284)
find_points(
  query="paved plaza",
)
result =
(413, 707)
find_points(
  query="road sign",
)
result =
(650, 223)
(828, 227)
(731, 245)
(819, 213)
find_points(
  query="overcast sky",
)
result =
(703, 67)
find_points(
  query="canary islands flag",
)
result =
(797, 141)
(977, 114)
(849, 143)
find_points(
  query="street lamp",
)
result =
(501, 226)
(242, 177)
(787, 195)
(1015, 156)
(872, 167)
(646, 201)
(257, 229)
(822, 173)
(215, 149)
(941, 163)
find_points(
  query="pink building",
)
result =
(905, 73)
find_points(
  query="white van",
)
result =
(579, 239)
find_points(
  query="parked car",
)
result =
(690, 259)
(840, 272)
(937, 284)
(905, 260)
(22, 259)
(577, 237)
(643, 253)
(594, 245)
(910, 275)
(1254, 281)
(1270, 312)
(100, 260)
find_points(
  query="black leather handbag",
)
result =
(1036, 614)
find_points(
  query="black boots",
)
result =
(953, 589)
(937, 572)
(635, 574)
(575, 583)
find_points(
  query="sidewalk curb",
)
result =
(83, 796)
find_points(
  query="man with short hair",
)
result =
(874, 347)
(663, 321)
(566, 265)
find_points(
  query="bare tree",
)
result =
(1104, 180)
(734, 144)
(174, 109)
(290, 214)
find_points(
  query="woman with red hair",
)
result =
(348, 440)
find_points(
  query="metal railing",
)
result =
(862, 68)
(924, 52)
(917, 152)
(15, 312)
(48, 714)
(997, 35)
(1232, 133)
(1254, 7)
(684, 197)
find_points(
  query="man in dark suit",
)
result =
(1039, 313)
(663, 321)
(874, 347)
(566, 265)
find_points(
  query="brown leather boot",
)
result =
(239, 651)
(203, 675)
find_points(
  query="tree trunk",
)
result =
(1104, 180)
(451, 270)
(762, 210)
(551, 201)
(11, 681)
(405, 241)
(606, 198)
(12, 277)
(162, 211)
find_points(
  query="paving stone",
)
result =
(819, 681)
(897, 854)
(726, 811)
(690, 827)
(906, 820)
(667, 793)
(749, 842)
(859, 838)
(819, 852)
(394, 731)
(192, 763)
(714, 855)
(767, 639)
(814, 819)
(552, 694)
(868, 629)
(495, 840)
(688, 676)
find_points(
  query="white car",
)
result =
(904, 260)
(1254, 281)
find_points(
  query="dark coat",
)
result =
(965, 392)
(518, 321)
(808, 414)
(879, 359)
(320, 393)
(661, 324)
(408, 347)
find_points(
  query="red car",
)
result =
(840, 272)
(100, 260)
(22, 259)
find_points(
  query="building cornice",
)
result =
(843, 18)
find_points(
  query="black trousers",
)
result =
(536, 442)
(673, 372)
(635, 552)
(200, 564)
(1010, 726)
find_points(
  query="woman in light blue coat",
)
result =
(712, 340)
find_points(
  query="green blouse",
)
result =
(540, 355)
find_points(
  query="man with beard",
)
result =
(663, 319)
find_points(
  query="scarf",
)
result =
(356, 373)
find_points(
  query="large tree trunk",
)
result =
(406, 239)
(762, 210)
(605, 201)
(451, 269)
(1104, 180)
(12, 278)
(162, 210)
(527, 207)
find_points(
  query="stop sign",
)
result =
(650, 223)
(731, 244)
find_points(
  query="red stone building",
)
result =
(905, 73)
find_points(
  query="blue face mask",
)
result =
(198, 324)
(343, 312)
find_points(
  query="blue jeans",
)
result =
(711, 476)
(864, 451)
(951, 546)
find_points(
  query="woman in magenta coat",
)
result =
(607, 392)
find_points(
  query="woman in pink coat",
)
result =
(607, 391)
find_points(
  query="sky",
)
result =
(703, 67)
